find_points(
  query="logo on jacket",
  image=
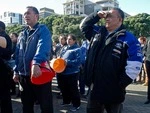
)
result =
(118, 45)
(138, 68)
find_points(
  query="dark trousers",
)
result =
(5, 97)
(69, 89)
(147, 64)
(96, 107)
(5, 102)
(12, 84)
(58, 80)
(32, 92)
(81, 81)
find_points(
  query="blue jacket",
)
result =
(73, 57)
(84, 48)
(33, 46)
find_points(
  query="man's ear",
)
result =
(121, 20)
(37, 15)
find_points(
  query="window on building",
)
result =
(5, 14)
(11, 14)
(68, 5)
(77, 13)
(81, 2)
(77, 6)
(10, 19)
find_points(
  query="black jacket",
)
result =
(109, 60)
(5, 54)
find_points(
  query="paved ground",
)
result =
(136, 96)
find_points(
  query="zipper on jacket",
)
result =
(27, 43)
(23, 55)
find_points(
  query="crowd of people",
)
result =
(103, 47)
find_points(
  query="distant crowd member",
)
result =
(69, 77)
(147, 65)
(5, 78)
(13, 37)
(33, 48)
(62, 43)
(142, 76)
(84, 48)
(114, 60)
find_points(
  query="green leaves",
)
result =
(139, 25)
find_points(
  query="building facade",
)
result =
(85, 7)
(11, 18)
(74, 7)
(107, 4)
(44, 12)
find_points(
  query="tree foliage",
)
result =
(63, 24)
(15, 28)
(139, 25)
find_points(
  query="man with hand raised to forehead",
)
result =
(114, 60)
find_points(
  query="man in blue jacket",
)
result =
(33, 48)
(114, 60)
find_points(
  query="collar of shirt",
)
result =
(30, 31)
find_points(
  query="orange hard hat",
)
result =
(47, 76)
(58, 65)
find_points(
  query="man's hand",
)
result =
(16, 78)
(102, 14)
(35, 71)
